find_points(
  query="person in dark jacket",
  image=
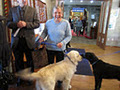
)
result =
(5, 51)
(5, 54)
(23, 19)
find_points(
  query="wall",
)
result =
(113, 35)
(50, 4)
(1, 10)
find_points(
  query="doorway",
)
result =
(90, 18)
(92, 15)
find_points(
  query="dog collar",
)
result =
(95, 62)
(69, 59)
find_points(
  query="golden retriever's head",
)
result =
(75, 56)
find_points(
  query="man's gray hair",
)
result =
(57, 7)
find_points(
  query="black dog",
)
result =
(102, 70)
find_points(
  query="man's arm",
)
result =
(35, 23)
(10, 23)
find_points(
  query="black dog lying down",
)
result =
(102, 70)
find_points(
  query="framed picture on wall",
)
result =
(31, 3)
(41, 8)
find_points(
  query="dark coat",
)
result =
(5, 50)
(32, 21)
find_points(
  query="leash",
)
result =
(98, 56)
(63, 52)
(105, 55)
(109, 54)
(69, 58)
(95, 62)
(39, 38)
(48, 43)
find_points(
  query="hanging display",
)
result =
(42, 10)
(30, 3)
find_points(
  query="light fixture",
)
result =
(71, 0)
(91, 1)
(81, 0)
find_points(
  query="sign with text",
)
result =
(78, 9)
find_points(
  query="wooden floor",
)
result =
(82, 82)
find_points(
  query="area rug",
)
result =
(83, 67)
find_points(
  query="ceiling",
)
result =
(85, 2)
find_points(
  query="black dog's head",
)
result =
(90, 56)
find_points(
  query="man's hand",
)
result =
(59, 45)
(41, 39)
(21, 24)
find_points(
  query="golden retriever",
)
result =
(47, 77)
